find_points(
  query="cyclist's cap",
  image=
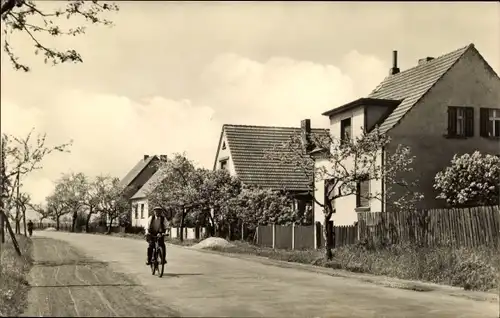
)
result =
(157, 208)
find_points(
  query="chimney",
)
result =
(394, 69)
(425, 60)
(146, 157)
(305, 133)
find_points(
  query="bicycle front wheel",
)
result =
(154, 264)
(159, 261)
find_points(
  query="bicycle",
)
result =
(157, 257)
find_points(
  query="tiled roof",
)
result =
(149, 185)
(410, 85)
(248, 146)
(125, 182)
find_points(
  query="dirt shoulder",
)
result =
(65, 282)
(14, 270)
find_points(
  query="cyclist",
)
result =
(157, 223)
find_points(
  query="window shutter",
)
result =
(452, 121)
(483, 122)
(469, 121)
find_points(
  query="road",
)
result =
(94, 275)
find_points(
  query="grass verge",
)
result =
(471, 269)
(13, 276)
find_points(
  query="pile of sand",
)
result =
(212, 242)
(50, 229)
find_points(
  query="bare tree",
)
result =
(19, 157)
(30, 18)
(71, 188)
(56, 208)
(111, 204)
(347, 162)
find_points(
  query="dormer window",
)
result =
(345, 130)
(223, 164)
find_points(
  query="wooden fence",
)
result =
(301, 237)
(464, 227)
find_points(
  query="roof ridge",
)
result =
(435, 60)
(261, 126)
(428, 74)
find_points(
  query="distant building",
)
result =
(241, 151)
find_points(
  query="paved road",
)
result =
(203, 284)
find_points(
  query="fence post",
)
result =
(293, 236)
(242, 231)
(274, 235)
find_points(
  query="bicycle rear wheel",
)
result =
(159, 261)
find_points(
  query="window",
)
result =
(345, 130)
(142, 211)
(363, 192)
(490, 122)
(223, 145)
(223, 164)
(460, 121)
(136, 210)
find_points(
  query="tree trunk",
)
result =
(111, 219)
(24, 221)
(17, 221)
(211, 225)
(73, 222)
(327, 232)
(2, 225)
(183, 215)
(88, 220)
(57, 222)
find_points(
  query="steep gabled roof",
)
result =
(411, 85)
(136, 170)
(149, 186)
(248, 146)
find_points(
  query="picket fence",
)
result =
(459, 227)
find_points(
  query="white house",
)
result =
(440, 107)
(139, 201)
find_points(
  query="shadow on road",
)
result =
(181, 274)
(68, 263)
(85, 285)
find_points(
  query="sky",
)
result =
(168, 75)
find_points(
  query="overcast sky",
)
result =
(168, 75)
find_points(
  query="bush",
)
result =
(135, 230)
(470, 179)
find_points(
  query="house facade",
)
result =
(135, 179)
(242, 152)
(441, 107)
